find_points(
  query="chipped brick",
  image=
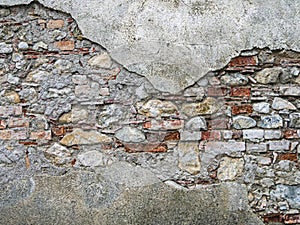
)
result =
(240, 92)
(288, 156)
(217, 91)
(211, 135)
(40, 135)
(243, 61)
(2, 124)
(290, 134)
(292, 219)
(218, 123)
(58, 131)
(173, 136)
(18, 122)
(55, 24)
(242, 109)
(65, 45)
(164, 124)
(145, 147)
(6, 111)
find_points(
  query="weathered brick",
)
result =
(164, 124)
(13, 134)
(58, 131)
(292, 219)
(237, 134)
(272, 134)
(211, 135)
(55, 24)
(290, 134)
(5, 134)
(18, 122)
(217, 91)
(282, 145)
(240, 92)
(146, 147)
(190, 135)
(288, 156)
(40, 135)
(243, 61)
(173, 136)
(218, 147)
(65, 45)
(6, 111)
(241, 109)
(218, 123)
(256, 147)
(253, 134)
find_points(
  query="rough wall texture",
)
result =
(81, 135)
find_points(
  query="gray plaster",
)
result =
(175, 42)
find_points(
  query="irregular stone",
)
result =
(23, 45)
(77, 115)
(190, 135)
(274, 121)
(94, 158)
(294, 120)
(100, 61)
(58, 154)
(12, 97)
(16, 57)
(286, 76)
(197, 92)
(4, 12)
(279, 104)
(230, 168)
(289, 193)
(234, 79)
(65, 118)
(196, 124)
(206, 107)
(268, 75)
(188, 157)
(289, 91)
(261, 107)
(130, 134)
(5, 48)
(157, 108)
(40, 45)
(80, 137)
(243, 122)
(37, 76)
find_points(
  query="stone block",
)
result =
(253, 134)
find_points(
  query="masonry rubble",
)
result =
(61, 95)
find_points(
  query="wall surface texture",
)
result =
(149, 112)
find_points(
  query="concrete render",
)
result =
(175, 42)
(121, 194)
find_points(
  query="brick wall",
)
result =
(66, 105)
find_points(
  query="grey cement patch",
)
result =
(174, 43)
(90, 198)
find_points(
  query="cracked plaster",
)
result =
(174, 43)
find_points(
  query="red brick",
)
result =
(173, 136)
(18, 122)
(40, 135)
(241, 109)
(146, 147)
(5, 134)
(240, 92)
(58, 131)
(2, 124)
(28, 143)
(217, 91)
(290, 134)
(288, 156)
(243, 61)
(211, 135)
(276, 217)
(13, 134)
(292, 219)
(55, 24)
(65, 45)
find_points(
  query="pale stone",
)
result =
(12, 97)
(5, 48)
(230, 168)
(243, 122)
(268, 75)
(295, 120)
(101, 61)
(290, 91)
(274, 121)
(196, 124)
(207, 107)
(94, 158)
(279, 104)
(40, 45)
(79, 115)
(130, 134)
(23, 45)
(58, 154)
(80, 137)
(37, 76)
(234, 79)
(156, 108)
(188, 157)
(261, 107)
(65, 118)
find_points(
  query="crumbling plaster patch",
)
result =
(174, 43)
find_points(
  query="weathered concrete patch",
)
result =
(91, 198)
(174, 43)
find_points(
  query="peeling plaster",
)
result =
(175, 43)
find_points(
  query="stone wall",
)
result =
(66, 106)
